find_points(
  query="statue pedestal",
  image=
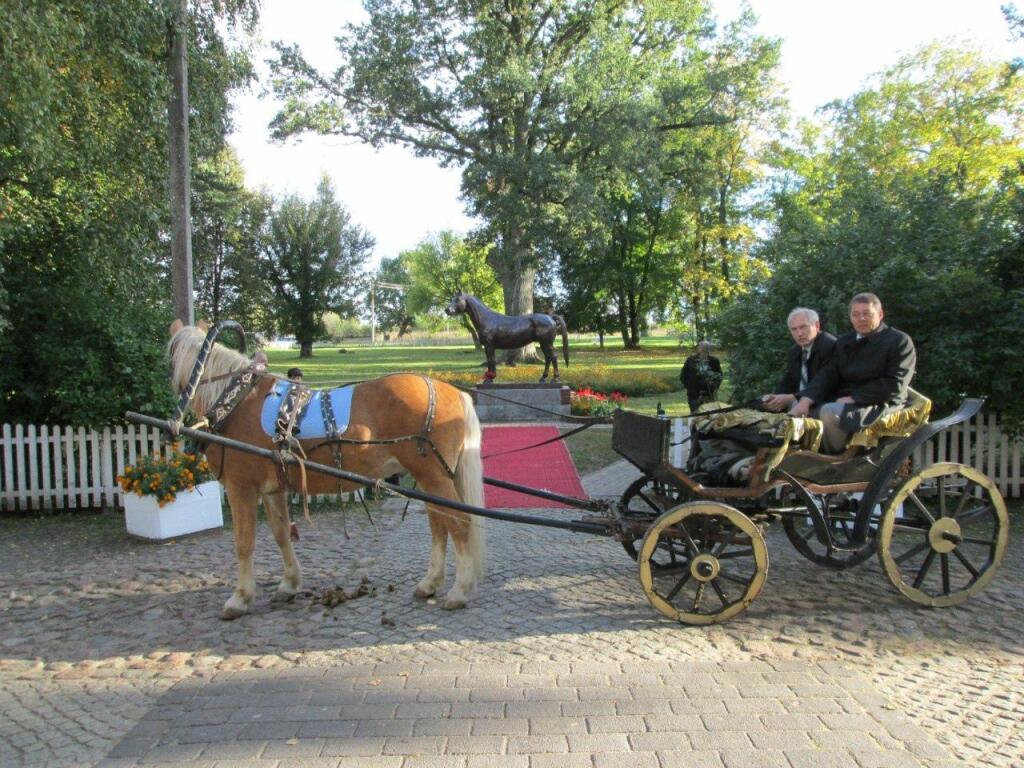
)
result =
(553, 398)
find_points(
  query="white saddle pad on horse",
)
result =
(311, 422)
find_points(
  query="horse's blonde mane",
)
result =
(182, 351)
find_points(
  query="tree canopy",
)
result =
(546, 105)
(83, 201)
(912, 190)
(313, 258)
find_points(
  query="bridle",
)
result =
(196, 377)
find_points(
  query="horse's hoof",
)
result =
(424, 594)
(282, 596)
(453, 603)
(230, 613)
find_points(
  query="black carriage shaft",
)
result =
(572, 501)
(578, 526)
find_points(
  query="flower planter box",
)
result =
(198, 509)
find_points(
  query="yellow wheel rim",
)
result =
(950, 542)
(702, 562)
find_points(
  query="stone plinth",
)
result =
(553, 398)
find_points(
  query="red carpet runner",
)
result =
(548, 467)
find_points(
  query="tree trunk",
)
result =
(634, 323)
(623, 320)
(305, 349)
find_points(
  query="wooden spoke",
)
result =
(925, 513)
(719, 592)
(974, 515)
(966, 563)
(912, 551)
(924, 569)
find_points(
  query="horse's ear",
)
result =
(176, 326)
(203, 326)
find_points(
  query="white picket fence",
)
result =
(66, 468)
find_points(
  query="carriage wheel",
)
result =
(702, 562)
(950, 538)
(800, 532)
(646, 499)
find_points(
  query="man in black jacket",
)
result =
(868, 375)
(810, 353)
(701, 375)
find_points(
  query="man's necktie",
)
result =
(804, 357)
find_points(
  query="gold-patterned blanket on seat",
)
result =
(901, 423)
(788, 432)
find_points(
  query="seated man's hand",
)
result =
(802, 407)
(777, 403)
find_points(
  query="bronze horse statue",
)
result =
(497, 331)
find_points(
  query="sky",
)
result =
(830, 48)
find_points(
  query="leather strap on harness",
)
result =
(293, 404)
(235, 393)
(428, 423)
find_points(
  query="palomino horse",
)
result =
(402, 422)
(497, 331)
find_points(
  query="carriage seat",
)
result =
(899, 424)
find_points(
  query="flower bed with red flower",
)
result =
(163, 476)
(588, 402)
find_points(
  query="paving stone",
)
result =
(670, 759)
(820, 758)
(626, 760)
(754, 758)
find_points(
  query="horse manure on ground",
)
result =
(337, 595)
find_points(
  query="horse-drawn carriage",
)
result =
(940, 531)
(695, 531)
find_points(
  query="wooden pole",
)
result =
(180, 168)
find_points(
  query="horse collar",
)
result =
(240, 386)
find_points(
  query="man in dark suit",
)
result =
(810, 353)
(701, 374)
(869, 375)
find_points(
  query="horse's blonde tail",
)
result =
(469, 482)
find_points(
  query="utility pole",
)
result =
(180, 170)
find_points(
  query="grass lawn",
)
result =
(332, 365)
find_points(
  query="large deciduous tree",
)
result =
(390, 303)
(313, 257)
(524, 95)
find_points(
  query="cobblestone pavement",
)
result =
(111, 653)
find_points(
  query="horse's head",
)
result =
(184, 349)
(457, 305)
